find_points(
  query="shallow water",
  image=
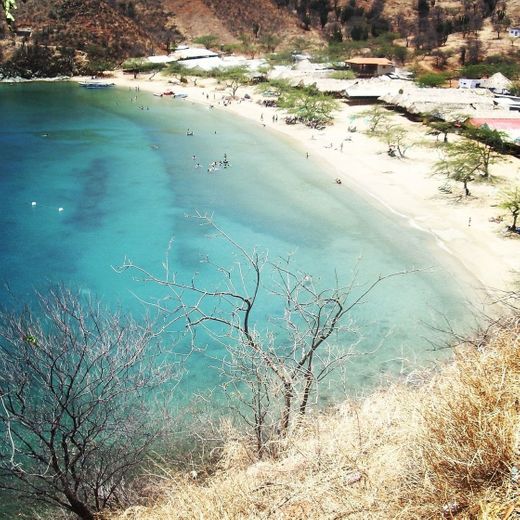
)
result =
(126, 181)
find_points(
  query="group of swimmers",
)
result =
(214, 165)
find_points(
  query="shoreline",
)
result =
(405, 187)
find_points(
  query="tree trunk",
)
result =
(79, 508)
(286, 412)
(466, 190)
(515, 217)
(306, 392)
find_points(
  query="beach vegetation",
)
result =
(342, 74)
(233, 77)
(508, 66)
(282, 57)
(141, 65)
(308, 104)
(248, 45)
(76, 415)
(270, 42)
(396, 138)
(376, 117)
(470, 158)
(441, 128)
(510, 201)
(459, 165)
(275, 87)
(486, 145)
(432, 79)
(209, 41)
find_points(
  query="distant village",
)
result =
(477, 101)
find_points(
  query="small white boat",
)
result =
(96, 84)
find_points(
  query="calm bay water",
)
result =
(126, 181)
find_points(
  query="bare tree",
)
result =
(275, 366)
(76, 391)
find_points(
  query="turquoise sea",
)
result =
(122, 170)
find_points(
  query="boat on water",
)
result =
(96, 84)
(170, 93)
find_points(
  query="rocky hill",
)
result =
(112, 30)
(136, 27)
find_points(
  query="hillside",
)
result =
(140, 27)
(114, 29)
(447, 447)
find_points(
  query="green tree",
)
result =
(500, 20)
(396, 139)
(432, 79)
(248, 46)
(376, 116)
(485, 144)
(270, 41)
(234, 77)
(309, 105)
(441, 127)
(510, 201)
(458, 164)
(208, 40)
(137, 65)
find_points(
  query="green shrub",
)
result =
(493, 64)
(432, 79)
(342, 74)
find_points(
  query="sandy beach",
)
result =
(462, 227)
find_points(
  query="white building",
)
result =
(469, 83)
(514, 31)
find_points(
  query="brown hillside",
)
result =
(194, 18)
(141, 26)
(90, 25)
(262, 16)
(116, 29)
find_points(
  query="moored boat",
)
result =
(96, 84)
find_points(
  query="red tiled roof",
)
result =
(496, 123)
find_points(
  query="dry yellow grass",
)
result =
(442, 449)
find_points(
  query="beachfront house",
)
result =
(514, 32)
(469, 83)
(370, 67)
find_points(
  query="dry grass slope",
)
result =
(441, 449)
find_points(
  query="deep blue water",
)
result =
(126, 181)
